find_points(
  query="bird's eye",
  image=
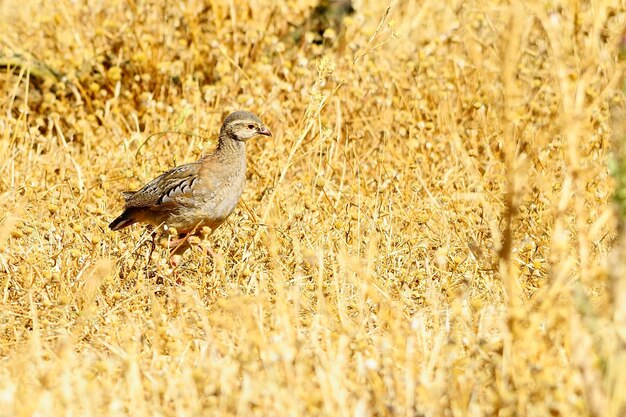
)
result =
(251, 127)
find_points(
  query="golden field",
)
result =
(429, 232)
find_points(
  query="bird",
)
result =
(199, 194)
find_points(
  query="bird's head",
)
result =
(243, 125)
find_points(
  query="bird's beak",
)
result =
(265, 131)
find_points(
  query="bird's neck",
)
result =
(228, 148)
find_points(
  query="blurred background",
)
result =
(435, 227)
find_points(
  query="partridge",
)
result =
(202, 193)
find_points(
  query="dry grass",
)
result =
(428, 232)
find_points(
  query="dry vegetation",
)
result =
(428, 233)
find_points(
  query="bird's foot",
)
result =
(175, 260)
(175, 244)
(205, 249)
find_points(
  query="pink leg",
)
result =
(174, 260)
(178, 244)
(181, 244)
(206, 250)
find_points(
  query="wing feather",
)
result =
(178, 190)
(169, 187)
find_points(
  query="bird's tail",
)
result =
(124, 220)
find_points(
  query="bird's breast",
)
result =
(221, 202)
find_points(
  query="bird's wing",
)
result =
(169, 187)
(214, 173)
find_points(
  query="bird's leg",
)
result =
(205, 248)
(174, 260)
(180, 244)
(175, 245)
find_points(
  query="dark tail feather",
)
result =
(124, 220)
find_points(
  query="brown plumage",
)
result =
(202, 193)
